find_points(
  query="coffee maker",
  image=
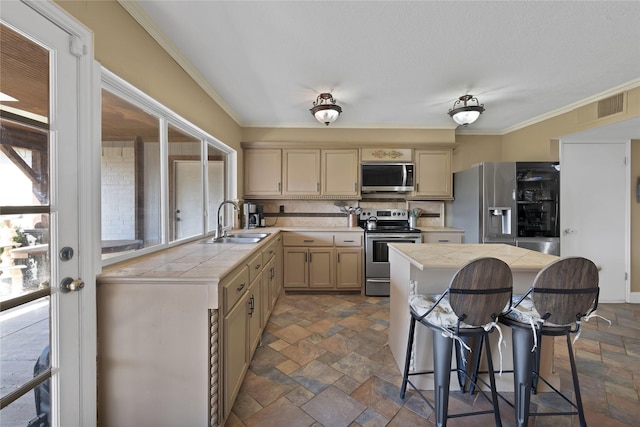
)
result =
(249, 217)
(252, 215)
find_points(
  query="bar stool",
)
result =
(563, 294)
(478, 293)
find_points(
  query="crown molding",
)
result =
(568, 108)
(137, 13)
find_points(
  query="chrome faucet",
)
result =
(219, 230)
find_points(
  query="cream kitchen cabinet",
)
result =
(433, 174)
(340, 173)
(301, 172)
(235, 343)
(270, 288)
(255, 313)
(308, 267)
(308, 260)
(442, 236)
(262, 172)
(349, 268)
(322, 260)
(296, 173)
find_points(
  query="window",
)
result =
(162, 178)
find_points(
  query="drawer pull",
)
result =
(239, 288)
(349, 241)
(309, 241)
(443, 241)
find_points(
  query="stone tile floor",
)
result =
(323, 361)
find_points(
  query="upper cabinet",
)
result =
(340, 173)
(301, 172)
(263, 172)
(297, 173)
(433, 174)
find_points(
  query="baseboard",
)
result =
(634, 297)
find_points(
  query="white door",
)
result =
(215, 179)
(188, 191)
(42, 206)
(593, 210)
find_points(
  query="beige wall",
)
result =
(335, 135)
(126, 49)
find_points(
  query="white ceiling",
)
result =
(400, 64)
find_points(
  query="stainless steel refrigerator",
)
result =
(516, 203)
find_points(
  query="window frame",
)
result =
(119, 87)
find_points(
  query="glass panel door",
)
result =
(25, 332)
(40, 326)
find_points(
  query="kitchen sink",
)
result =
(249, 235)
(239, 238)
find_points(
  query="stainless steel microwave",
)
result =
(382, 177)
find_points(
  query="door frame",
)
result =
(89, 245)
(627, 213)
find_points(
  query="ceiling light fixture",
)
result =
(325, 109)
(464, 114)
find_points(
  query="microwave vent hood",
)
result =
(386, 178)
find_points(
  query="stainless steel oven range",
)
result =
(383, 226)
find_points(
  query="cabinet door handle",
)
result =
(355, 186)
(258, 266)
(309, 258)
(338, 257)
(417, 186)
(239, 288)
(279, 186)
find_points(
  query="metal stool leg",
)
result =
(522, 338)
(442, 347)
(576, 385)
(407, 359)
(492, 381)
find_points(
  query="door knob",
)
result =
(70, 285)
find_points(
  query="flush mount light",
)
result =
(464, 114)
(325, 109)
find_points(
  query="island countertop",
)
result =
(433, 255)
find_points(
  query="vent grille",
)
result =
(612, 105)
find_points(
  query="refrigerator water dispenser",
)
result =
(500, 220)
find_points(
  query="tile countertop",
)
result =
(432, 255)
(196, 262)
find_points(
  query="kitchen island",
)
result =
(432, 266)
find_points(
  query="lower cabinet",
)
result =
(321, 260)
(442, 236)
(254, 308)
(248, 297)
(236, 348)
(349, 268)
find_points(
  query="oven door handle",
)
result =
(378, 280)
(383, 237)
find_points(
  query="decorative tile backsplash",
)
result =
(324, 213)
